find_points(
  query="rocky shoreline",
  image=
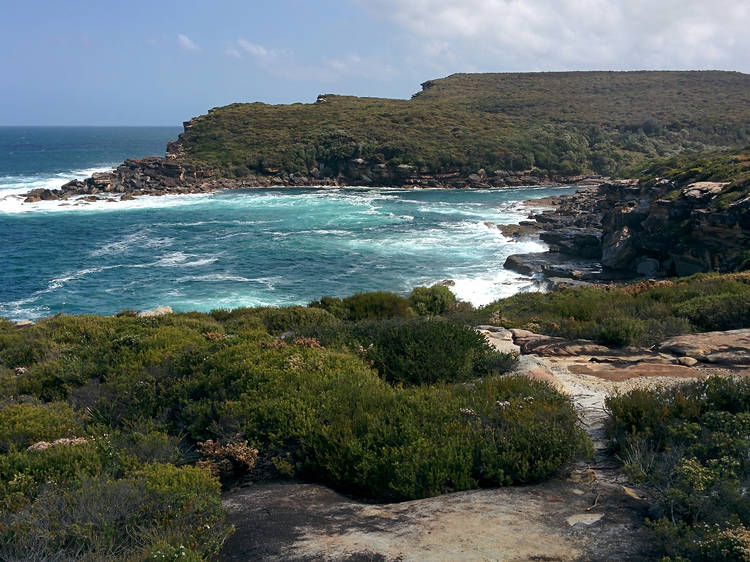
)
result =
(165, 176)
(625, 230)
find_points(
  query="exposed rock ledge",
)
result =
(624, 230)
(172, 175)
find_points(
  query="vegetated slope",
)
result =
(115, 431)
(731, 167)
(641, 313)
(554, 123)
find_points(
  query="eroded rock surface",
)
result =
(550, 521)
(730, 347)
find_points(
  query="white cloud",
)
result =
(232, 52)
(186, 43)
(573, 34)
(258, 51)
(354, 65)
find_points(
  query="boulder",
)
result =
(158, 311)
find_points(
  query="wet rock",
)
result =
(41, 194)
(648, 267)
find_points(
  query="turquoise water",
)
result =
(271, 246)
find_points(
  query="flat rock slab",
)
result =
(730, 347)
(538, 344)
(308, 522)
(617, 373)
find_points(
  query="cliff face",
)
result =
(147, 176)
(664, 229)
(652, 228)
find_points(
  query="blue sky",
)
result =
(162, 62)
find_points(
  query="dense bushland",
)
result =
(690, 446)
(558, 123)
(149, 415)
(731, 166)
(641, 313)
(417, 350)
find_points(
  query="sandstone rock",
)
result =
(617, 249)
(500, 338)
(617, 373)
(724, 347)
(537, 369)
(158, 311)
(549, 346)
(584, 518)
(23, 324)
(687, 361)
(703, 189)
(735, 357)
(497, 332)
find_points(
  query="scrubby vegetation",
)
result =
(690, 446)
(116, 433)
(730, 165)
(641, 313)
(551, 123)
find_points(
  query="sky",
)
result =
(161, 62)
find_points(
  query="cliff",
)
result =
(686, 215)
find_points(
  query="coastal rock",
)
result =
(41, 194)
(651, 229)
(158, 311)
(538, 370)
(648, 267)
(500, 338)
(732, 346)
(546, 346)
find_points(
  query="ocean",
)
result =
(271, 246)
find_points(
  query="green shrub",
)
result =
(621, 332)
(157, 507)
(422, 351)
(155, 387)
(717, 312)
(333, 305)
(24, 424)
(379, 304)
(432, 301)
(418, 350)
(642, 313)
(690, 446)
(294, 318)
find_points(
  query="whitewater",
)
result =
(255, 247)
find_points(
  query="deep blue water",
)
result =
(238, 248)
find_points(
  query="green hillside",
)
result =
(556, 123)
